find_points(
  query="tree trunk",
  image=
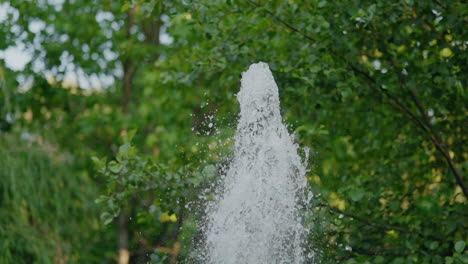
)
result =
(127, 84)
(124, 253)
(129, 70)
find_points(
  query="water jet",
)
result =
(256, 217)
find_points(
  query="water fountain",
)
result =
(256, 216)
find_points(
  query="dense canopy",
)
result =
(115, 116)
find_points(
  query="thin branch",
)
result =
(439, 143)
(392, 98)
(286, 24)
(365, 220)
(439, 3)
(433, 133)
(378, 225)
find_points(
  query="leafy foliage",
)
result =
(37, 197)
(376, 89)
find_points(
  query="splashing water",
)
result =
(256, 216)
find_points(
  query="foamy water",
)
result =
(256, 217)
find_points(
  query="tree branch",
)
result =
(439, 143)
(365, 220)
(392, 98)
(378, 225)
(286, 24)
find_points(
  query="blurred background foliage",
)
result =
(115, 116)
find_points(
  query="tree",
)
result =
(42, 208)
(376, 90)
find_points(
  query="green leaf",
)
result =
(101, 199)
(433, 245)
(123, 152)
(128, 137)
(95, 159)
(379, 260)
(125, 7)
(460, 246)
(115, 167)
(100, 164)
(356, 194)
(106, 218)
(448, 260)
(446, 52)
